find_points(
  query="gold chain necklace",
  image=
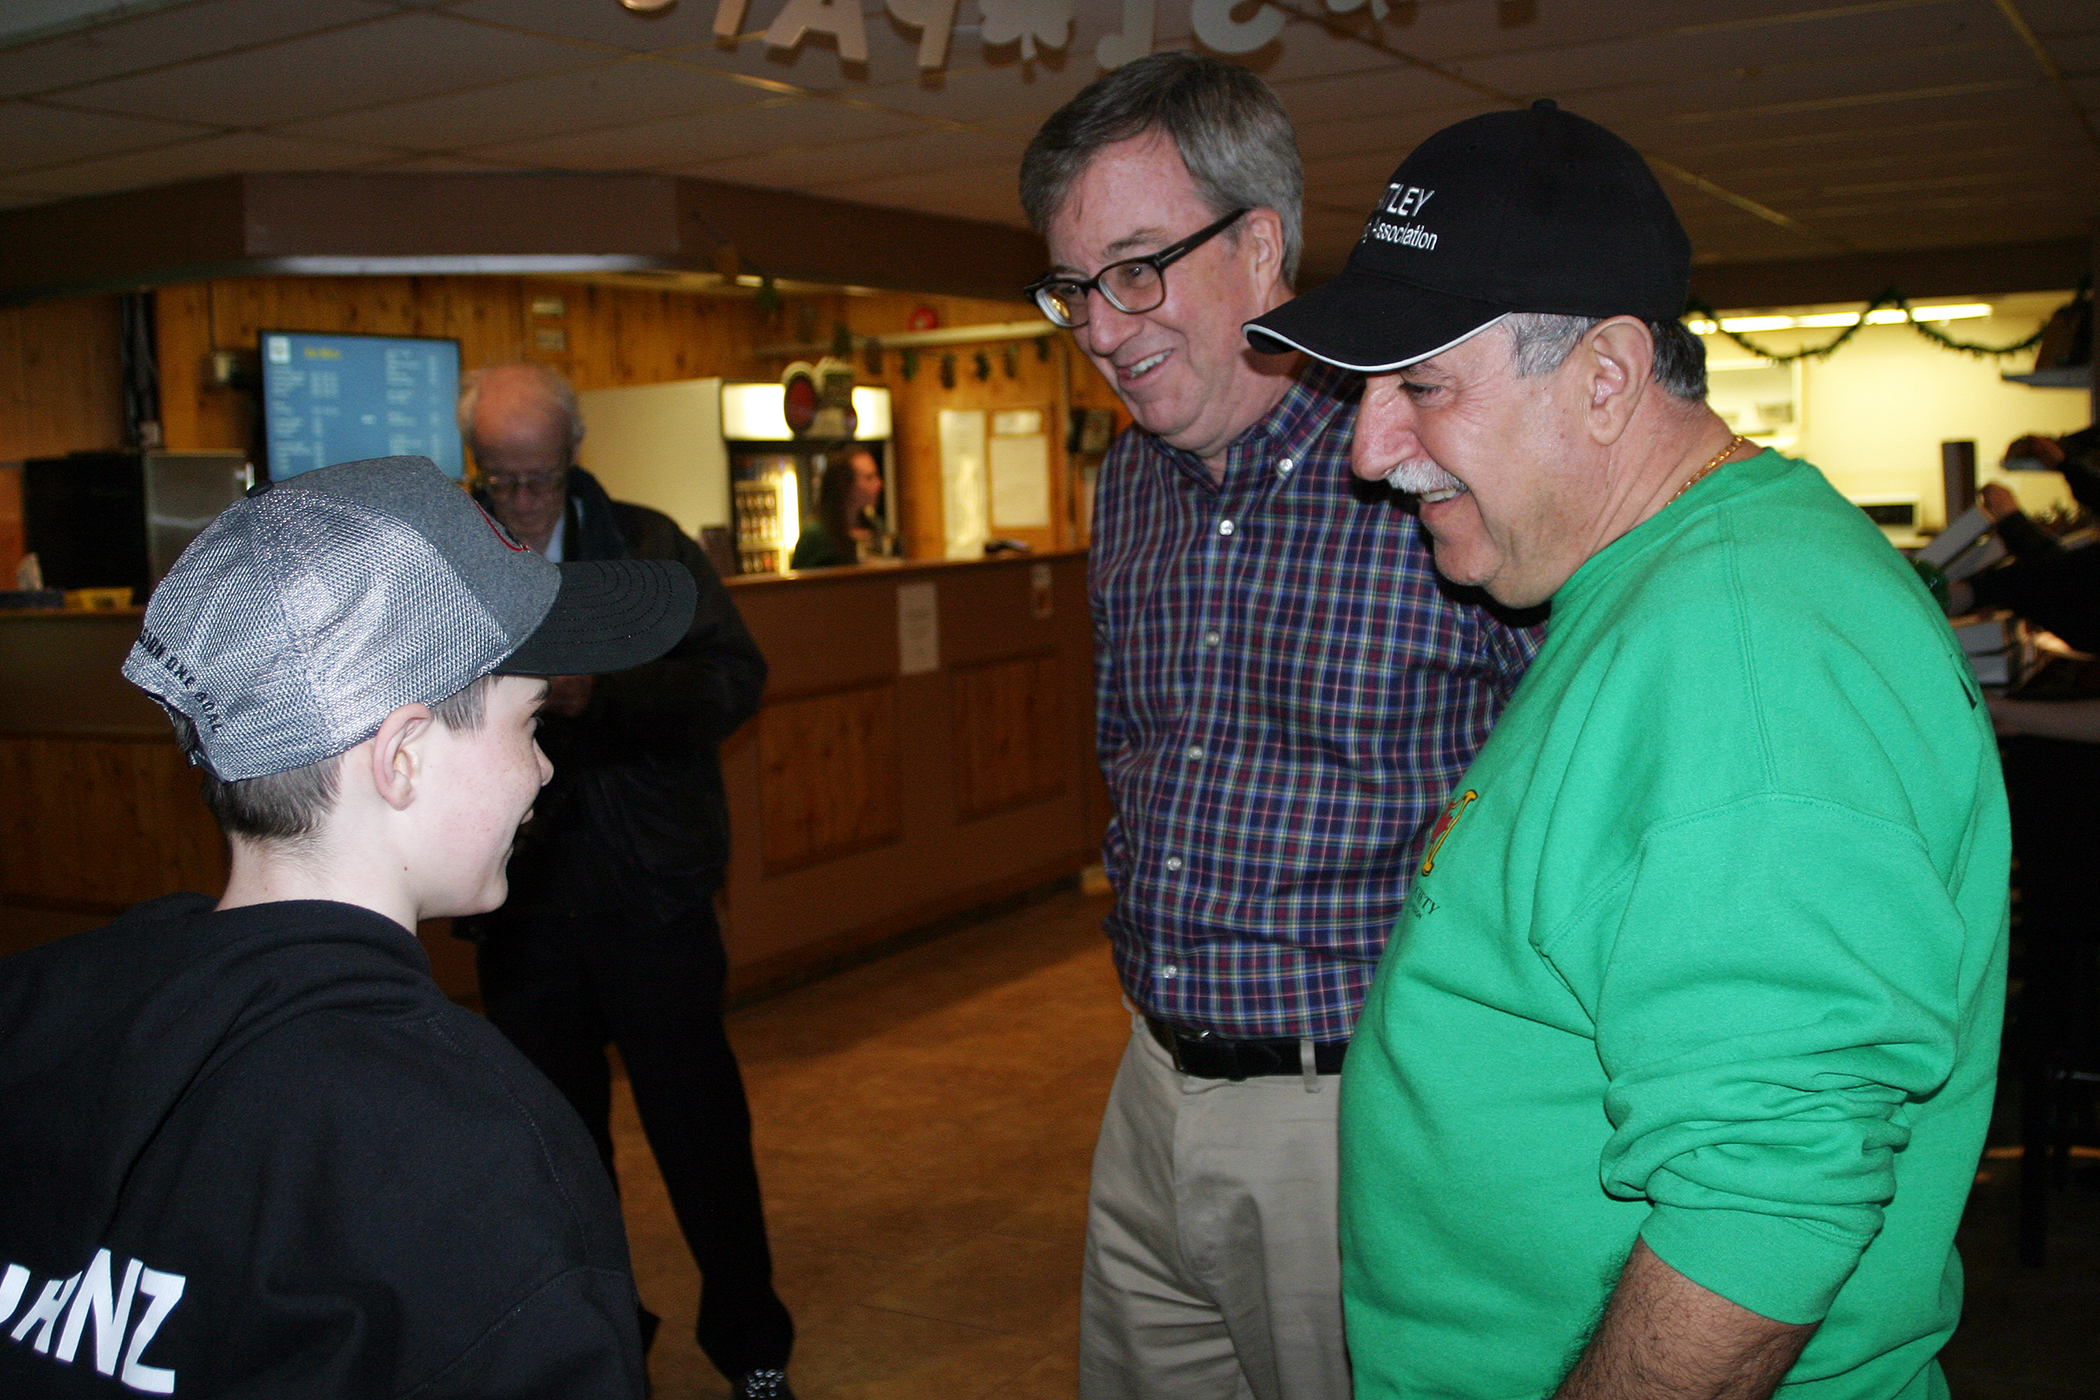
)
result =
(1700, 475)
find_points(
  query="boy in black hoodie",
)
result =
(248, 1148)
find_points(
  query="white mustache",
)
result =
(1421, 477)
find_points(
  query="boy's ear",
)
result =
(397, 760)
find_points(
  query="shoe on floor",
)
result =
(768, 1384)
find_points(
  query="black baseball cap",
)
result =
(1537, 210)
(309, 611)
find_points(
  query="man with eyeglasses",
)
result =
(1286, 699)
(609, 934)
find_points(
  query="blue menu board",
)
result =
(343, 398)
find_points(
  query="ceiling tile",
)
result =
(1661, 134)
(1463, 32)
(403, 55)
(1387, 95)
(1015, 97)
(166, 36)
(1389, 139)
(682, 25)
(622, 92)
(813, 65)
(1368, 170)
(688, 30)
(1306, 50)
(2075, 53)
(213, 155)
(681, 141)
(1739, 55)
(33, 134)
(2050, 18)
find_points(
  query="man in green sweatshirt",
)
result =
(1675, 1074)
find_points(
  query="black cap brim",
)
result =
(610, 615)
(1371, 324)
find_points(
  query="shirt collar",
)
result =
(1318, 393)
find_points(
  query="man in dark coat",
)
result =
(609, 934)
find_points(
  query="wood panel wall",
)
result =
(60, 371)
(61, 390)
(616, 335)
(1052, 376)
(101, 823)
(1010, 740)
(599, 336)
(828, 768)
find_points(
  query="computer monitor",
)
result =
(343, 398)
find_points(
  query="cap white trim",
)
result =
(1374, 369)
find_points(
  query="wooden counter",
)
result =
(98, 809)
(864, 802)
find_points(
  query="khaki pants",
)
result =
(1213, 1269)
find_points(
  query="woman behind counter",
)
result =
(846, 530)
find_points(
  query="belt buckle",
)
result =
(1226, 1052)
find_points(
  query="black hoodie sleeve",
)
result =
(562, 1343)
(709, 683)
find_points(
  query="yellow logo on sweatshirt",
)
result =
(1443, 827)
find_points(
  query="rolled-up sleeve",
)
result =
(1779, 984)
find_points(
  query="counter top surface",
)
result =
(896, 568)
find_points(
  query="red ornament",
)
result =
(924, 318)
(798, 403)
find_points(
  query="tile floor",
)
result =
(923, 1126)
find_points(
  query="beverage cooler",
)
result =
(719, 458)
(774, 477)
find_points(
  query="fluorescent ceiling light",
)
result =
(1885, 316)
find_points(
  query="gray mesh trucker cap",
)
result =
(312, 609)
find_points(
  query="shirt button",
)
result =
(1170, 971)
(1173, 862)
(1224, 527)
(1211, 639)
(1283, 468)
(1195, 750)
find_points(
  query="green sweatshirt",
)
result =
(1709, 949)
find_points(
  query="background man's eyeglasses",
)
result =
(1132, 286)
(535, 484)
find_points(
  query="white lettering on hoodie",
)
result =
(95, 1297)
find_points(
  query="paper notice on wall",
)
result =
(965, 514)
(1020, 482)
(918, 629)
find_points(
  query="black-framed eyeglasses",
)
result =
(1132, 286)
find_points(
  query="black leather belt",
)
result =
(1208, 1056)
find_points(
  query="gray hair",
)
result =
(1540, 343)
(1229, 128)
(555, 393)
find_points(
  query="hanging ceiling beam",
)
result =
(405, 224)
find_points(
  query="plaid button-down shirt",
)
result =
(1286, 701)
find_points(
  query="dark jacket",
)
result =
(257, 1153)
(2053, 587)
(635, 815)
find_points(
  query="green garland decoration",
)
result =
(1888, 297)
